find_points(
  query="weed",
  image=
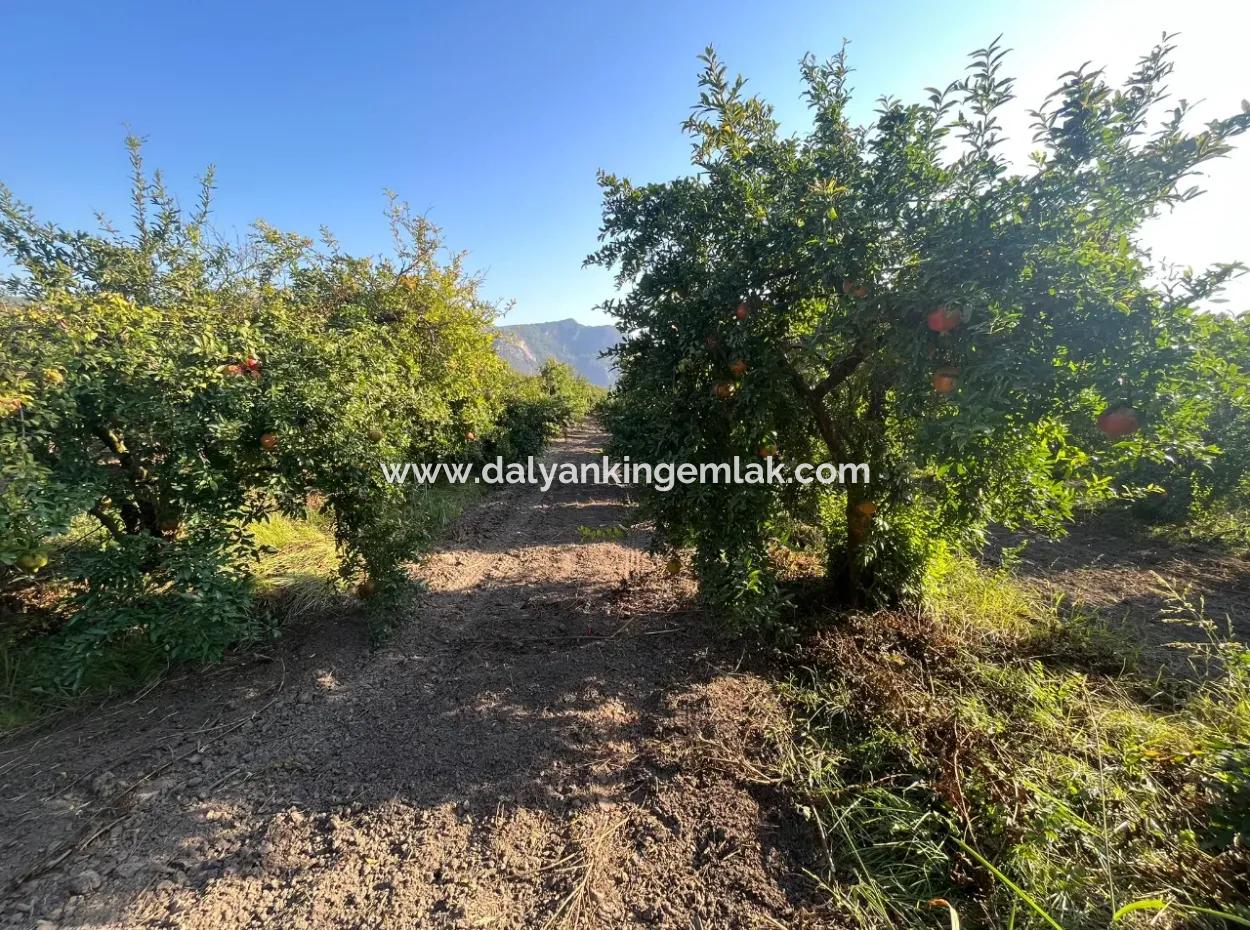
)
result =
(601, 533)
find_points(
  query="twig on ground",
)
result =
(569, 911)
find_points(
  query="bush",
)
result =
(162, 394)
(990, 343)
(538, 408)
(1213, 482)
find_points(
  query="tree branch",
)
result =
(141, 513)
(108, 521)
(820, 413)
(839, 373)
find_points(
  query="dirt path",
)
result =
(552, 741)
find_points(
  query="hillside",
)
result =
(525, 346)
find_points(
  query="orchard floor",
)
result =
(1113, 566)
(552, 740)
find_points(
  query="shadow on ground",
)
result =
(552, 736)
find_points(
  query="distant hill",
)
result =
(525, 346)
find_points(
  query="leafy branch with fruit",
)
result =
(162, 394)
(993, 340)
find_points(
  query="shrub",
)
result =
(988, 341)
(538, 408)
(167, 393)
(1213, 480)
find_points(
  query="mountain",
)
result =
(525, 346)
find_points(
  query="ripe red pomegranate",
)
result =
(1121, 421)
(945, 380)
(944, 319)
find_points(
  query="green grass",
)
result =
(298, 567)
(993, 750)
(437, 506)
(1224, 527)
(601, 533)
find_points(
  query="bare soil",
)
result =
(552, 740)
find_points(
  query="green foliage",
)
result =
(1205, 488)
(783, 295)
(540, 407)
(601, 533)
(173, 392)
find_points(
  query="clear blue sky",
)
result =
(494, 117)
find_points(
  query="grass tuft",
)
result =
(298, 566)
